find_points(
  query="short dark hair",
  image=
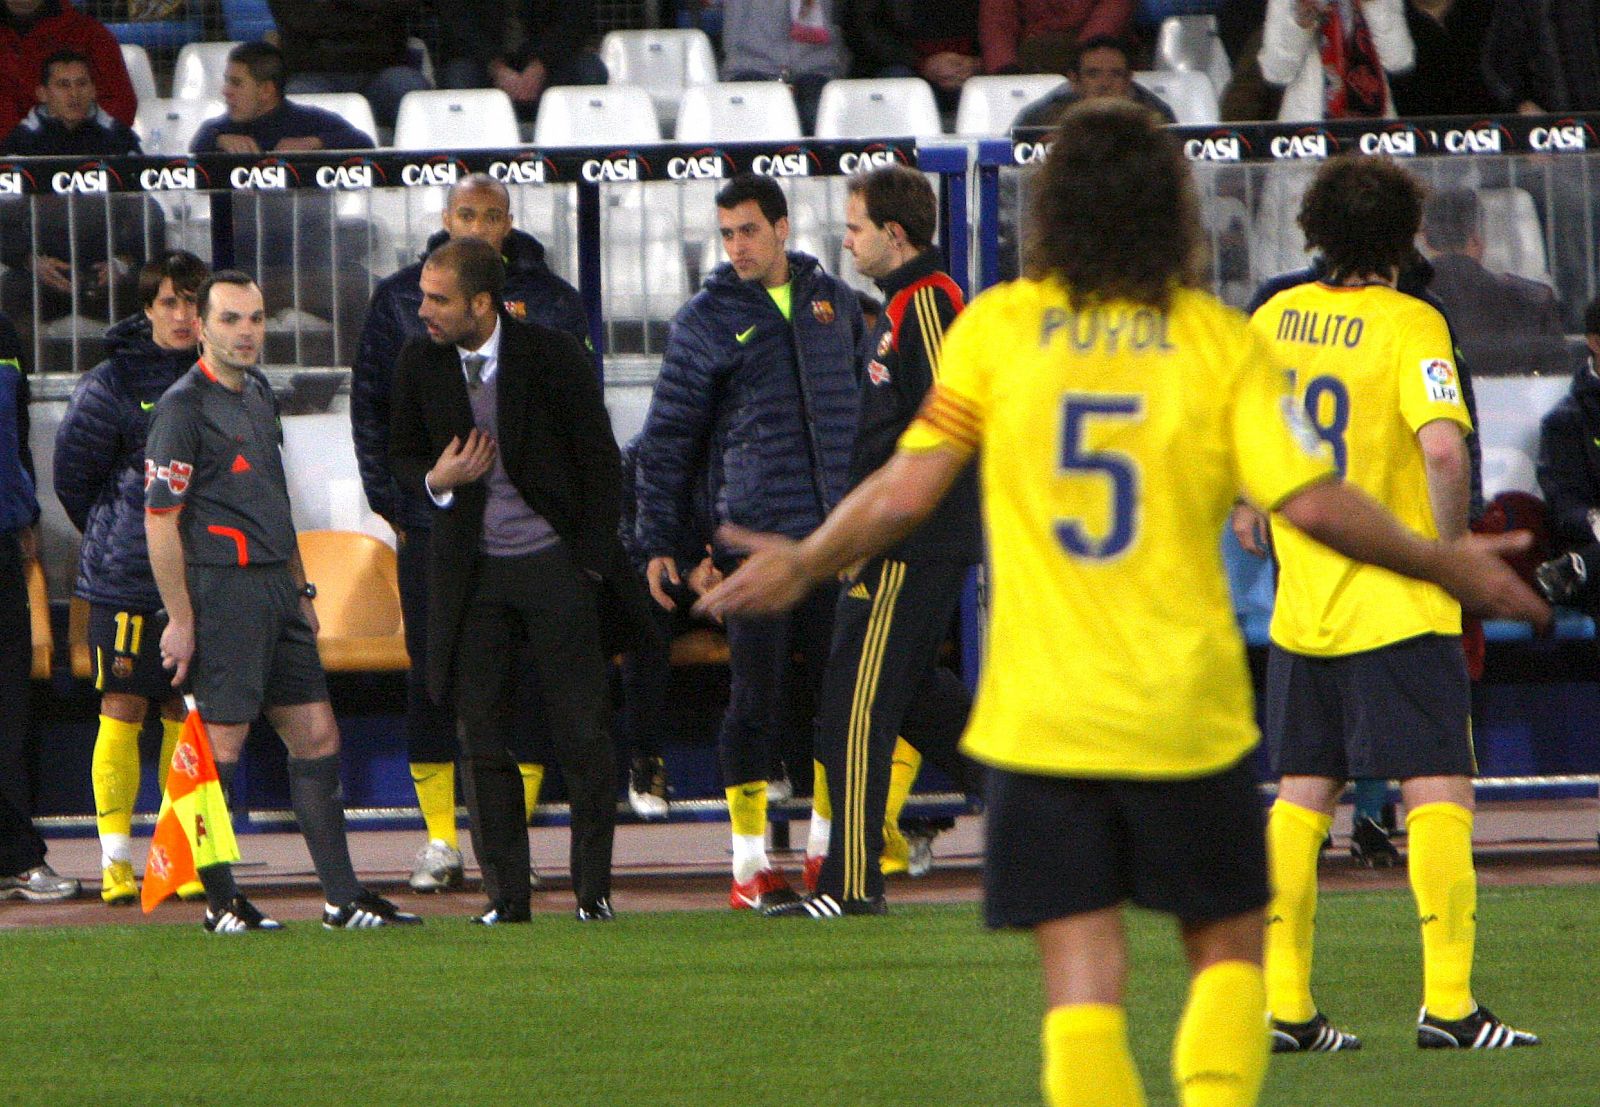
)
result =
(764, 191)
(1591, 317)
(183, 269)
(899, 194)
(63, 57)
(1101, 42)
(1451, 217)
(236, 277)
(477, 265)
(263, 60)
(1114, 213)
(1361, 212)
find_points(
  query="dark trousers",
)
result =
(766, 689)
(646, 675)
(887, 632)
(21, 848)
(544, 604)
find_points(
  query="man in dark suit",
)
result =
(503, 427)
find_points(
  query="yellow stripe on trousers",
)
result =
(857, 739)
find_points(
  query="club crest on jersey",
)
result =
(885, 343)
(176, 476)
(823, 310)
(518, 310)
(122, 667)
(877, 372)
(1439, 378)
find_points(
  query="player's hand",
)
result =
(177, 650)
(308, 608)
(462, 462)
(1250, 528)
(28, 544)
(299, 144)
(1474, 571)
(656, 574)
(1308, 13)
(53, 272)
(238, 144)
(704, 576)
(771, 580)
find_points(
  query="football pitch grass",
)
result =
(920, 1007)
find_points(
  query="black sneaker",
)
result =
(598, 911)
(239, 916)
(366, 911)
(498, 915)
(1479, 1030)
(1317, 1035)
(648, 790)
(821, 905)
(1370, 845)
(1561, 579)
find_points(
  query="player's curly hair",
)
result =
(1114, 213)
(1361, 213)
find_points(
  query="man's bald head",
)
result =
(478, 206)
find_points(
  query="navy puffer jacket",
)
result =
(769, 409)
(534, 294)
(99, 464)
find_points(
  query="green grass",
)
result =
(922, 1007)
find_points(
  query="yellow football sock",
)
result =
(532, 781)
(1294, 838)
(114, 771)
(171, 731)
(820, 802)
(747, 808)
(1445, 885)
(903, 771)
(1087, 1062)
(1219, 1057)
(436, 795)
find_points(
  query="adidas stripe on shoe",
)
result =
(365, 912)
(824, 906)
(239, 916)
(1479, 1030)
(1316, 1035)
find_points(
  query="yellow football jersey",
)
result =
(1371, 366)
(1113, 442)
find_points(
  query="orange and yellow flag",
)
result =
(193, 829)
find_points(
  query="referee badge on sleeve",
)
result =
(1439, 379)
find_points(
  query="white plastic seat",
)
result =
(1188, 94)
(1513, 239)
(734, 111)
(199, 70)
(456, 119)
(990, 104)
(662, 62)
(882, 107)
(352, 107)
(1190, 43)
(586, 115)
(137, 61)
(168, 126)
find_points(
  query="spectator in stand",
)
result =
(936, 40)
(1541, 57)
(259, 119)
(793, 41)
(1332, 57)
(1103, 69)
(1448, 78)
(1569, 477)
(1042, 36)
(32, 30)
(349, 46)
(522, 49)
(60, 253)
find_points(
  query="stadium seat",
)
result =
(456, 119)
(44, 641)
(159, 34)
(989, 104)
(166, 127)
(352, 107)
(137, 59)
(1188, 94)
(197, 75)
(588, 115)
(417, 55)
(358, 601)
(662, 62)
(1189, 43)
(881, 108)
(735, 111)
(247, 20)
(1513, 239)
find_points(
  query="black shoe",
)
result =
(1561, 579)
(240, 915)
(823, 906)
(1370, 846)
(648, 790)
(498, 915)
(1317, 1035)
(1479, 1030)
(598, 911)
(366, 911)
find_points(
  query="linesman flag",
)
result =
(193, 829)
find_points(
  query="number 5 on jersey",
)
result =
(1120, 470)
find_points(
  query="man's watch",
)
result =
(309, 591)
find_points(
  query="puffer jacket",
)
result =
(1569, 461)
(766, 407)
(533, 294)
(99, 463)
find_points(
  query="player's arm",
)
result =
(167, 565)
(1449, 469)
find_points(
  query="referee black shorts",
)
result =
(1393, 713)
(253, 646)
(125, 650)
(1064, 846)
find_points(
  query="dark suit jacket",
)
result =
(556, 444)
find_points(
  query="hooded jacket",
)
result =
(1569, 461)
